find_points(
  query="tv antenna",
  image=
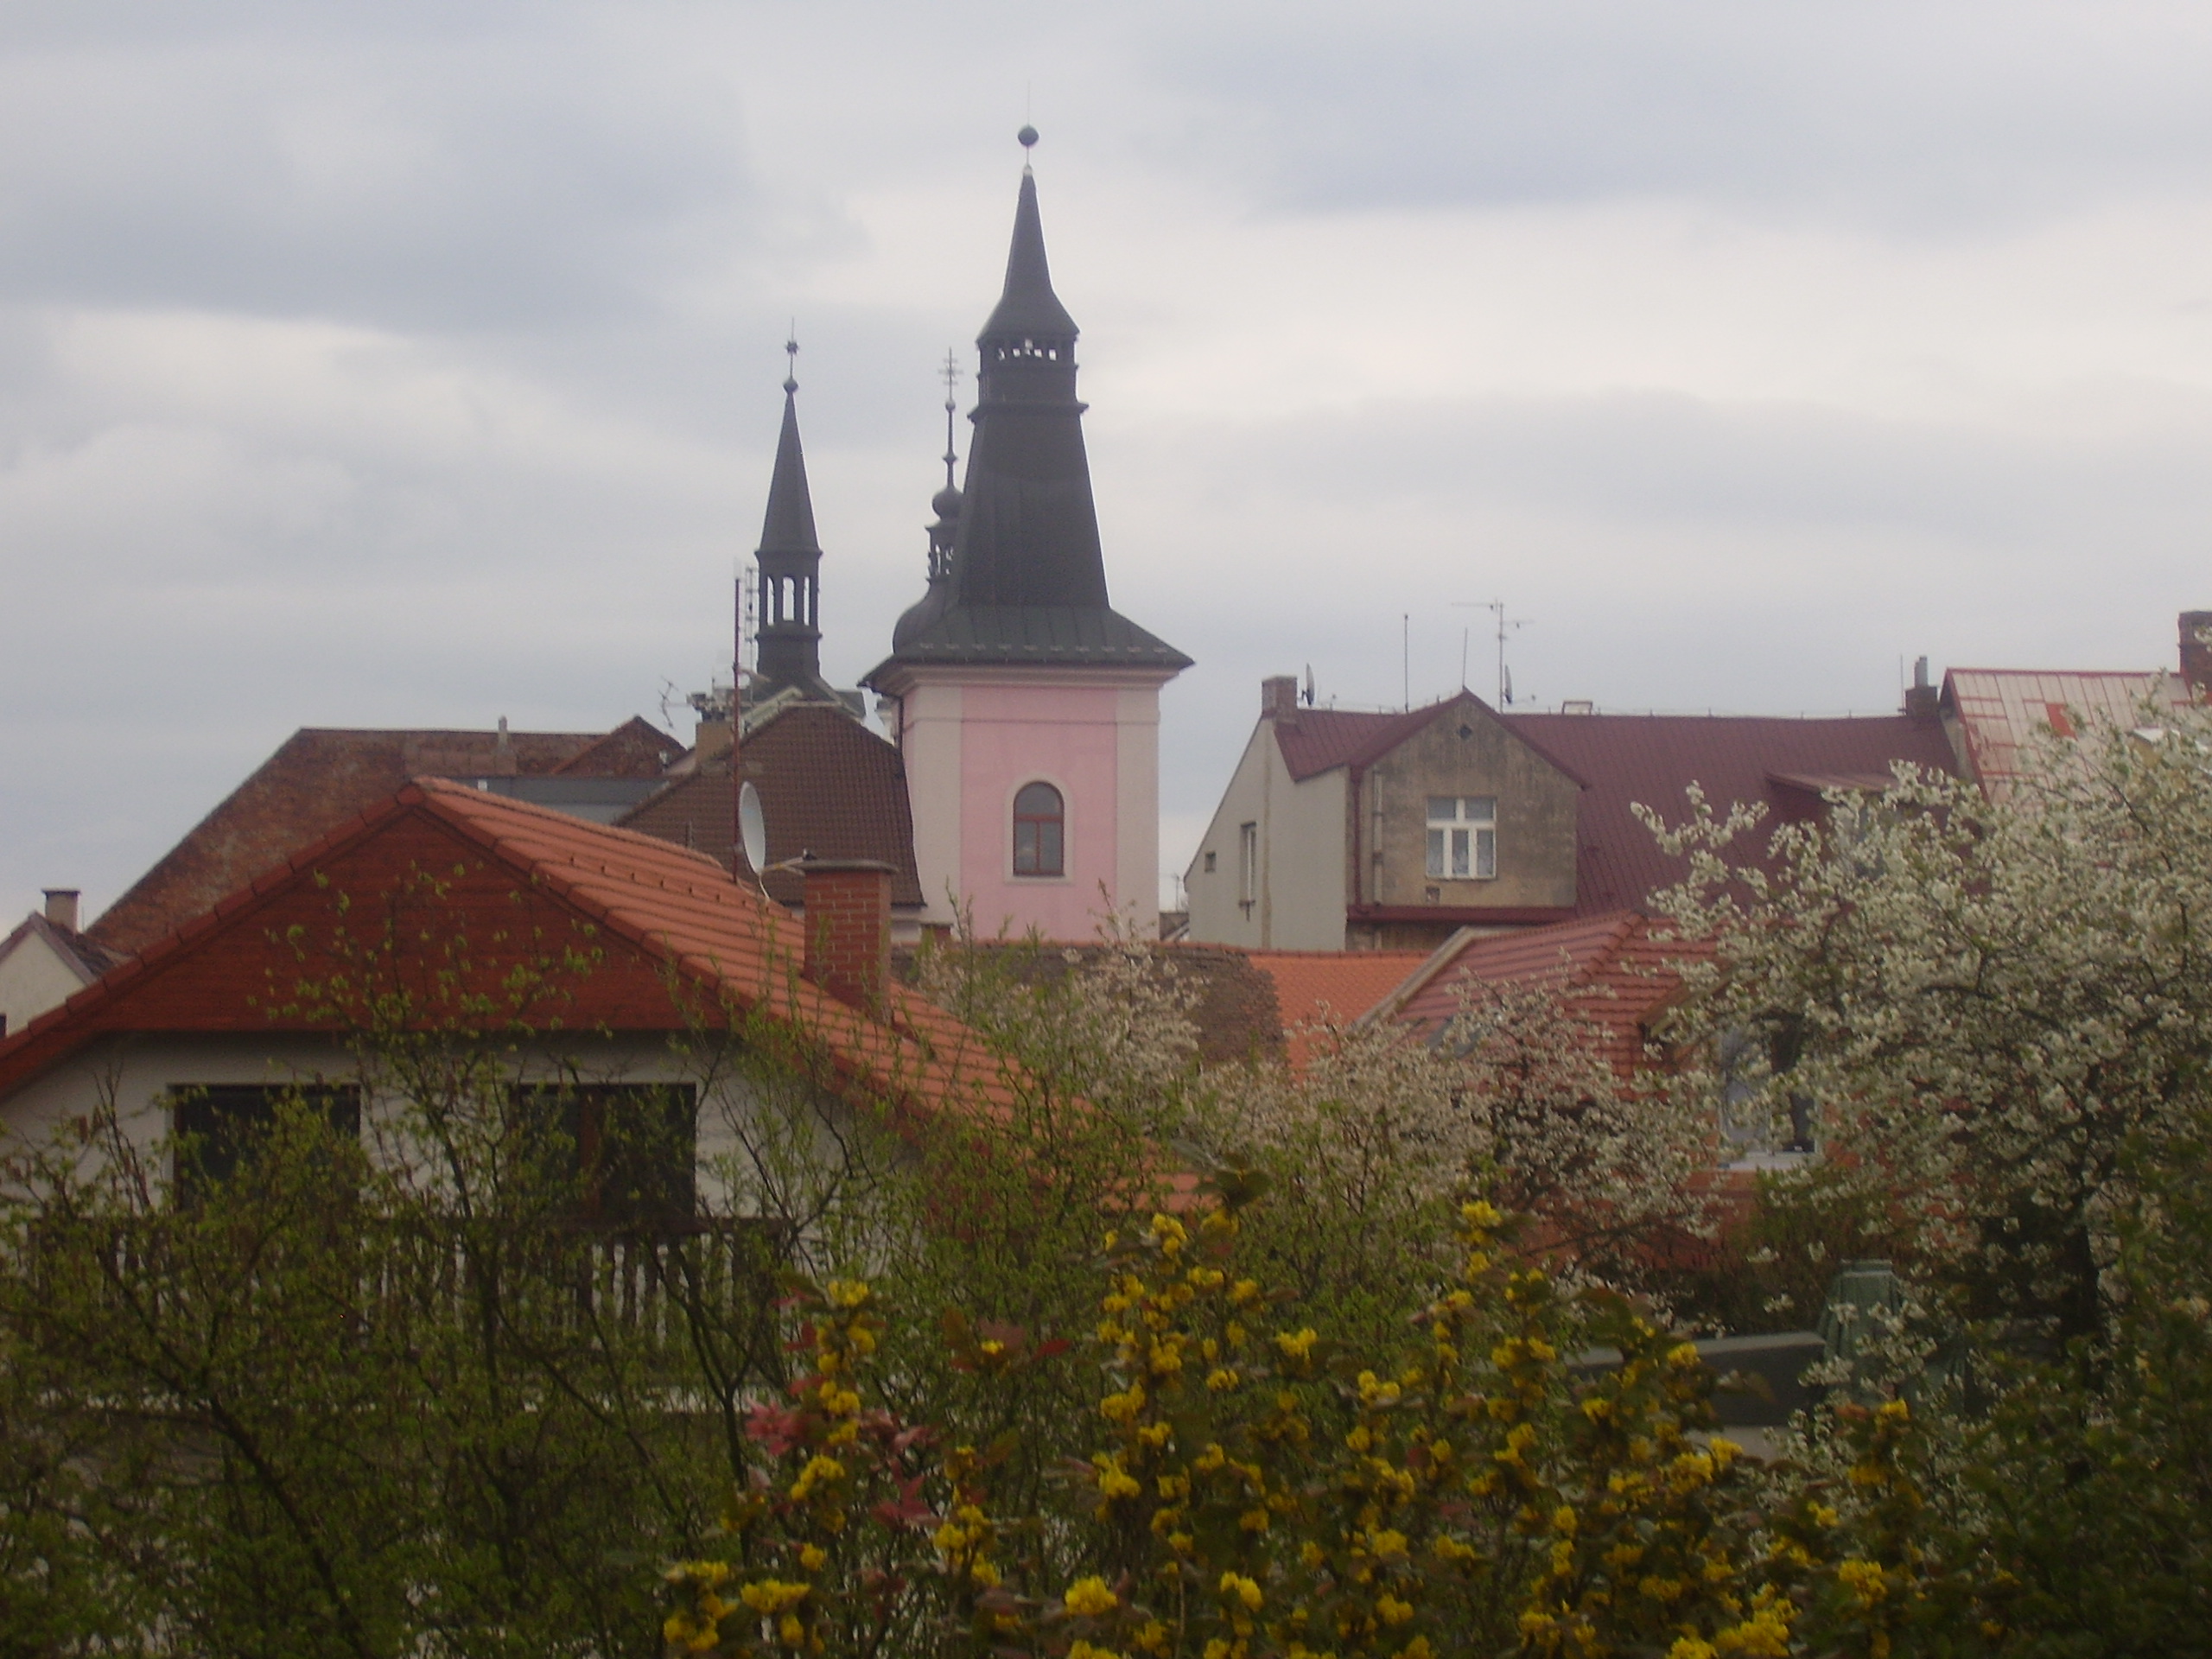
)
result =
(1506, 627)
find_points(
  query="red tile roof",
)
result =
(316, 781)
(828, 785)
(1319, 987)
(672, 920)
(1616, 971)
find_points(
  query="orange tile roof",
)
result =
(1617, 971)
(678, 907)
(1320, 987)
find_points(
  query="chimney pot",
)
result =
(1278, 697)
(61, 907)
(847, 923)
(2196, 652)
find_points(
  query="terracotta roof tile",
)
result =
(1619, 971)
(1319, 987)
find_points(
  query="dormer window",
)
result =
(1463, 837)
(1040, 831)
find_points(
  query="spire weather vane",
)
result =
(951, 375)
(790, 353)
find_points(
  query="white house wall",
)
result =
(32, 979)
(1300, 904)
(136, 1073)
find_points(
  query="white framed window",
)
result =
(1247, 864)
(1463, 836)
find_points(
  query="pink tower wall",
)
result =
(1067, 737)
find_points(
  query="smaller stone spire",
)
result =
(789, 561)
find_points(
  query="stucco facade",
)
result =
(34, 977)
(971, 738)
(1293, 897)
(1466, 757)
(1322, 843)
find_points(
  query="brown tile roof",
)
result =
(317, 779)
(1622, 760)
(828, 785)
(1617, 971)
(1317, 988)
(636, 749)
(1627, 759)
(676, 909)
(1317, 740)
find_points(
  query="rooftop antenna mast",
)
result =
(1506, 627)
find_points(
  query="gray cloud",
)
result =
(1921, 118)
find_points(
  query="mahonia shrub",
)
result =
(1256, 1491)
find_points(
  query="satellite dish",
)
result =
(752, 827)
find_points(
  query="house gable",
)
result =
(1461, 753)
(481, 889)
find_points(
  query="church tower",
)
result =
(789, 562)
(1027, 708)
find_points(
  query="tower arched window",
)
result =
(1040, 820)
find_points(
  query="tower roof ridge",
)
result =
(788, 524)
(1028, 306)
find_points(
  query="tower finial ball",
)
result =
(1026, 137)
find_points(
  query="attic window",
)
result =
(1463, 836)
(1465, 731)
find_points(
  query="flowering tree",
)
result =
(1998, 1008)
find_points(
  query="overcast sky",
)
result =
(412, 363)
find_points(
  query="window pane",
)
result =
(1442, 809)
(1479, 809)
(617, 1154)
(1460, 866)
(1436, 852)
(1040, 817)
(221, 1125)
(1485, 852)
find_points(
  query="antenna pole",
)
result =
(1406, 655)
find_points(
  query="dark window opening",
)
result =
(626, 1152)
(219, 1127)
(1040, 831)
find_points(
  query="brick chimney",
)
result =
(1278, 697)
(848, 928)
(62, 907)
(1923, 701)
(2196, 652)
